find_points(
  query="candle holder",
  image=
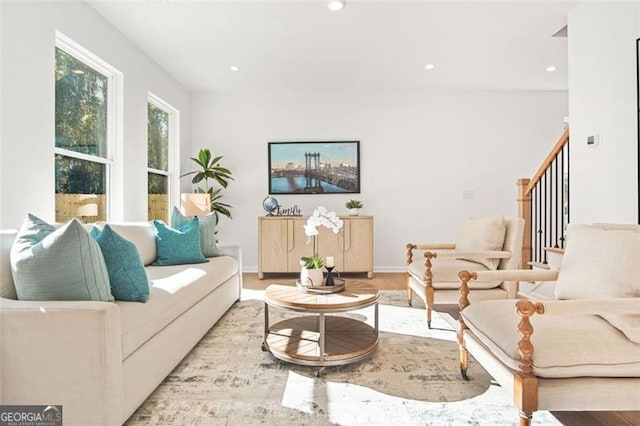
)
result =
(329, 281)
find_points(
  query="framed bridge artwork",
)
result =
(331, 167)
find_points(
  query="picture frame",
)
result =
(317, 167)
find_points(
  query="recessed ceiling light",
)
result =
(234, 68)
(336, 5)
(429, 67)
(77, 71)
(551, 68)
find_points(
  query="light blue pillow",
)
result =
(126, 272)
(178, 246)
(207, 226)
(58, 264)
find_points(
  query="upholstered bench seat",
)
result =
(571, 346)
(174, 290)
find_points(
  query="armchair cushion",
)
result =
(484, 234)
(603, 263)
(564, 346)
(445, 273)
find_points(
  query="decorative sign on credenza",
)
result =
(273, 208)
(290, 211)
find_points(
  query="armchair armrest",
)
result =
(512, 275)
(627, 305)
(435, 246)
(63, 352)
(490, 254)
(501, 275)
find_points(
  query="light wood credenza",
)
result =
(282, 242)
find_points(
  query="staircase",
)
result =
(543, 203)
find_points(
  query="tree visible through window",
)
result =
(81, 139)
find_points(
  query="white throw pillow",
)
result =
(603, 262)
(484, 234)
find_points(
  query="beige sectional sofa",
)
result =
(101, 360)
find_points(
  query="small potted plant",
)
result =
(354, 207)
(311, 272)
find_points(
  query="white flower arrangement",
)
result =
(321, 217)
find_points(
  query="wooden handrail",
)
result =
(564, 138)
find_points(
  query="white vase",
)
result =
(354, 212)
(311, 277)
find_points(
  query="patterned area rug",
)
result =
(413, 378)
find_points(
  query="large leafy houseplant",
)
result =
(209, 168)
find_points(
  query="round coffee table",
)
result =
(320, 339)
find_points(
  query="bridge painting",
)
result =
(314, 167)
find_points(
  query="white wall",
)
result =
(27, 101)
(602, 100)
(419, 152)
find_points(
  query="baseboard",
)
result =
(381, 269)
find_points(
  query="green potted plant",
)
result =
(354, 207)
(311, 272)
(209, 168)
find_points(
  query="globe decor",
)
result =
(270, 205)
(311, 272)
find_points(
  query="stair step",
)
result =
(539, 265)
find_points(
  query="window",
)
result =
(84, 122)
(161, 145)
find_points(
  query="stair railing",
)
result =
(543, 203)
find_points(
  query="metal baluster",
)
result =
(544, 219)
(551, 204)
(562, 197)
(539, 219)
(558, 207)
(568, 182)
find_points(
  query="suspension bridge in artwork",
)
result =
(319, 169)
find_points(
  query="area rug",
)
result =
(413, 378)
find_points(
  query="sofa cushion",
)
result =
(178, 246)
(484, 234)
(564, 345)
(174, 289)
(602, 262)
(127, 276)
(142, 234)
(445, 273)
(58, 264)
(207, 225)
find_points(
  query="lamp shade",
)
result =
(85, 205)
(194, 204)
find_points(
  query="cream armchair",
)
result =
(580, 352)
(484, 244)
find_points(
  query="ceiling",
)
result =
(370, 45)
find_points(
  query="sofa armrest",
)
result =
(63, 352)
(233, 251)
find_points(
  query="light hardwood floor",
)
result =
(396, 281)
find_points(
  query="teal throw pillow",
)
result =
(178, 246)
(58, 264)
(207, 226)
(126, 272)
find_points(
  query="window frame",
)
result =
(173, 140)
(113, 164)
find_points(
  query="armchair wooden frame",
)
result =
(444, 250)
(524, 384)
